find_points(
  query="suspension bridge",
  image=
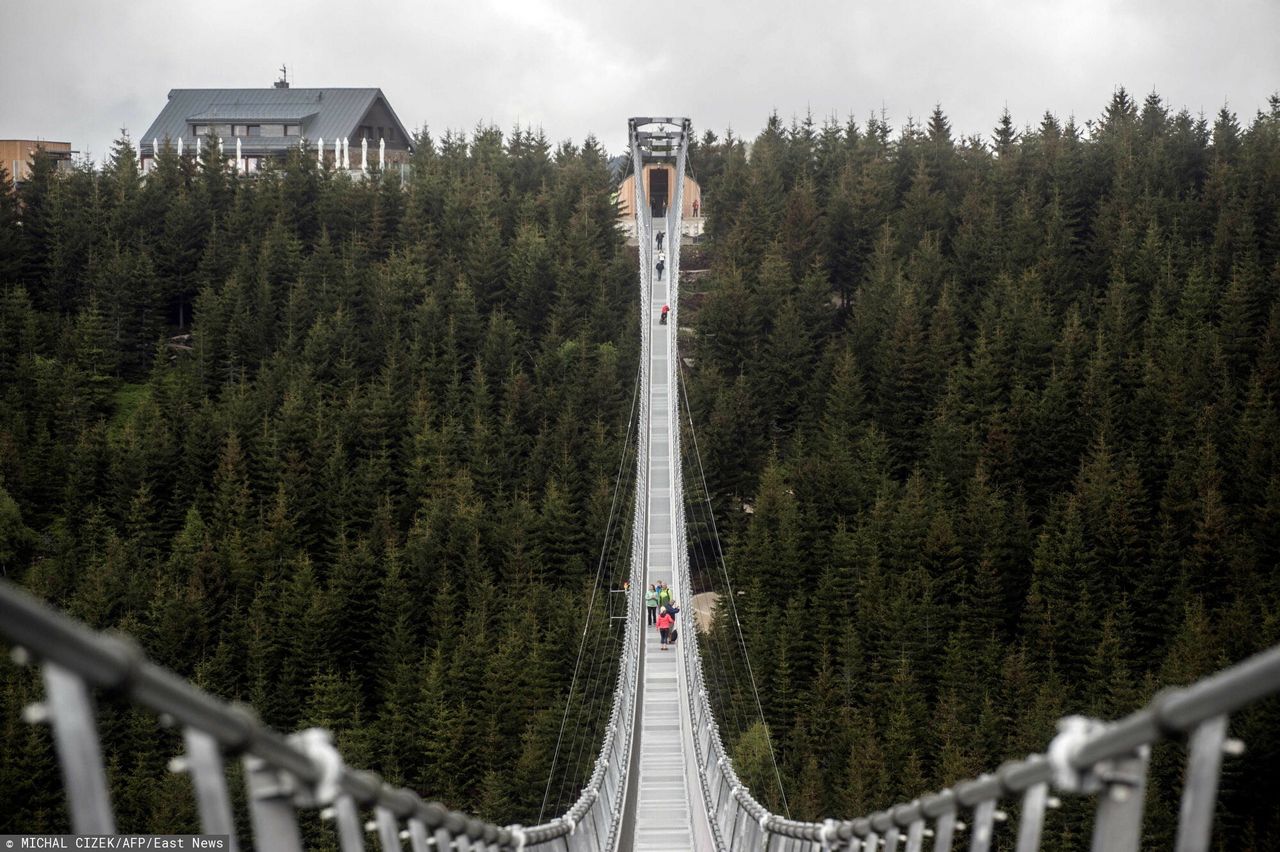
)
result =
(662, 779)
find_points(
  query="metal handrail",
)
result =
(1087, 750)
(72, 653)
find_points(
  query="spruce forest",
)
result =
(992, 424)
(366, 494)
(989, 428)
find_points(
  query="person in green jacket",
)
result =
(651, 603)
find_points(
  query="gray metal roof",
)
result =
(324, 113)
(255, 112)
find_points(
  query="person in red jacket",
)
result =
(662, 320)
(664, 626)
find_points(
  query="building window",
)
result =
(391, 134)
(366, 132)
(293, 130)
(246, 130)
(270, 130)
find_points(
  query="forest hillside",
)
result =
(365, 489)
(990, 427)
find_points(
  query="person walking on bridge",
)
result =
(651, 604)
(662, 320)
(672, 610)
(664, 595)
(659, 238)
(664, 627)
(662, 261)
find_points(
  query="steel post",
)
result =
(388, 829)
(69, 708)
(944, 831)
(1031, 822)
(915, 835)
(984, 818)
(418, 839)
(346, 819)
(1118, 825)
(209, 780)
(1200, 791)
(271, 811)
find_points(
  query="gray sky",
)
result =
(78, 70)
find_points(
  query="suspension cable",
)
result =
(590, 705)
(604, 546)
(721, 680)
(729, 586)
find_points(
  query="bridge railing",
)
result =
(290, 777)
(1089, 758)
(287, 776)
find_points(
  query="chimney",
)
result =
(283, 82)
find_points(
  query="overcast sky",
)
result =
(79, 70)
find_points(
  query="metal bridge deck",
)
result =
(663, 812)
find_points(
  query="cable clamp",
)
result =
(1073, 733)
(318, 745)
(828, 835)
(518, 835)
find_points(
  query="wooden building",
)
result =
(660, 188)
(15, 155)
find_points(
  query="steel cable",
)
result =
(635, 393)
(733, 604)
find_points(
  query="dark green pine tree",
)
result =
(36, 205)
(13, 248)
(904, 375)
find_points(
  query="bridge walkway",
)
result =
(663, 803)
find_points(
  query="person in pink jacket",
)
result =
(664, 626)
